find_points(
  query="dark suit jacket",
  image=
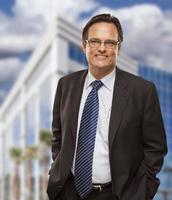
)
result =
(137, 141)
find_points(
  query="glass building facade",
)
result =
(76, 54)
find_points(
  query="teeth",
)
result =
(101, 56)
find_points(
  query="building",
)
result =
(27, 110)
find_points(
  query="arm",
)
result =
(154, 140)
(56, 123)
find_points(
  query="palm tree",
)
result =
(45, 143)
(30, 153)
(45, 137)
(16, 155)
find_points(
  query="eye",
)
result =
(111, 43)
(94, 42)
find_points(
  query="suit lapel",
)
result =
(119, 102)
(77, 90)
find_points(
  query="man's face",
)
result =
(102, 56)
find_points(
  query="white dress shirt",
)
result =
(101, 166)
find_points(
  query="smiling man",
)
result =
(101, 53)
(108, 135)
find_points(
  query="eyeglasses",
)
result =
(96, 43)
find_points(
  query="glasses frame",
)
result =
(96, 43)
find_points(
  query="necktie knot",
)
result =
(97, 84)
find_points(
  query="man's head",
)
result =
(103, 18)
(102, 37)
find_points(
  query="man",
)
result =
(108, 135)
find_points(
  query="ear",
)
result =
(84, 47)
(119, 47)
(118, 51)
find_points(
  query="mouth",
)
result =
(100, 56)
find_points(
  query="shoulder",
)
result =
(135, 81)
(75, 76)
(139, 90)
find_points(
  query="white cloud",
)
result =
(147, 33)
(21, 32)
(68, 8)
(15, 44)
(18, 34)
(9, 68)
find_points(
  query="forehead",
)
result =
(103, 29)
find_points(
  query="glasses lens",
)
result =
(110, 44)
(96, 43)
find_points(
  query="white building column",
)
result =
(36, 162)
(23, 135)
(1, 163)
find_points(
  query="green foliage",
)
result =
(31, 152)
(45, 137)
(16, 154)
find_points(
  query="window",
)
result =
(75, 53)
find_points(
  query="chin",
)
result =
(100, 65)
(103, 67)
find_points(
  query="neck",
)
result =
(100, 73)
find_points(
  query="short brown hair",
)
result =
(103, 18)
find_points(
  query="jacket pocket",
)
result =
(136, 187)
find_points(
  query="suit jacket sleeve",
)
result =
(154, 140)
(56, 123)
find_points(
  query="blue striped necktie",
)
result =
(86, 141)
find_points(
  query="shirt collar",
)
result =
(108, 80)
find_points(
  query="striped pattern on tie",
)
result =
(86, 141)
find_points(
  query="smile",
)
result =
(101, 56)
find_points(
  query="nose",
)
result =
(102, 47)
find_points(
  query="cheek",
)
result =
(88, 51)
(89, 54)
(113, 55)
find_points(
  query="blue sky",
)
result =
(164, 4)
(145, 24)
(6, 5)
